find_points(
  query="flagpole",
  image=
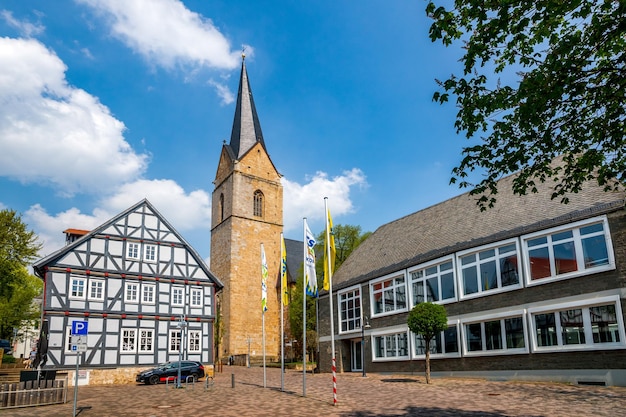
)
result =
(304, 269)
(330, 298)
(263, 308)
(282, 318)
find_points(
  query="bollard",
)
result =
(232, 380)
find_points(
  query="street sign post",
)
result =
(79, 344)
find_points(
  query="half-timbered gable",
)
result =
(132, 279)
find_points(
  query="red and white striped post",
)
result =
(334, 382)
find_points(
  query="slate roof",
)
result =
(458, 224)
(246, 126)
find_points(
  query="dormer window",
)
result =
(258, 203)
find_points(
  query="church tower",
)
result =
(247, 211)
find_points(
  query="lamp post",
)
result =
(363, 327)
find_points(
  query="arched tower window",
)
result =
(221, 208)
(258, 203)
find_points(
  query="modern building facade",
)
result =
(533, 289)
(247, 212)
(145, 293)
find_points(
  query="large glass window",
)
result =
(177, 296)
(388, 295)
(497, 335)
(148, 293)
(350, 310)
(149, 253)
(391, 346)
(444, 343)
(578, 327)
(433, 283)
(132, 250)
(258, 203)
(568, 251)
(196, 297)
(175, 340)
(489, 269)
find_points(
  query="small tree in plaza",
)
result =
(427, 320)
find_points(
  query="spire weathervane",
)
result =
(243, 52)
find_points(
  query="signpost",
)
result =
(79, 345)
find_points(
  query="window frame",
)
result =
(451, 324)
(133, 251)
(150, 252)
(144, 287)
(137, 289)
(93, 285)
(197, 337)
(357, 319)
(575, 228)
(140, 342)
(585, 305)
(434, 263)
(394, 286)
(171, 338)
(174, 289)
(134, 338)
(192, 293)
(258, 202)
(390, 332)
(83, 293)
(477, 262)
(501, 317)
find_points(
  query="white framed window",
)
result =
(433, 282)
(489, 269)
(391, 346)
(564, 252)
(147, 293)
(496, 335)
(96, 289)
(149, 253)
(388, 295)
(175, 341)
(194, 339)
(129, 341)
(77, 288)
(131, 292)
(445, 344)
(595, 324)
(146, 340)
(132, 250)
(196, 297)
(350, 310)
(177, 296)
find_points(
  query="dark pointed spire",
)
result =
(246, 127)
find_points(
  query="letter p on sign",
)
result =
(79, 328)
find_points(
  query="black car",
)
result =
(170, 370)
(6, 346)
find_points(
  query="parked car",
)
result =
(170, 370)
(6, 346)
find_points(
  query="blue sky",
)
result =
(106, 102)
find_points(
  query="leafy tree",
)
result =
(295, 316)
(564, 94)
(347, 238)
(18, 248)
(427, 320)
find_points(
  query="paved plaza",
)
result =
(374, 395)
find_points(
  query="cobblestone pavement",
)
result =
(374, 395)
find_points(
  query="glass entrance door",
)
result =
(357, 355)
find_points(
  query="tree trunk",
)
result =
(428, 361)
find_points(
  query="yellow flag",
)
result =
(330, 243)
(283, 271)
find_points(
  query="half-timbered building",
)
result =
(145, 293)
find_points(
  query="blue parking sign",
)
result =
(79, 327)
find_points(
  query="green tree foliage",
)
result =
(295, 316)
(564, 94)
(347, 238)
(427, 320)
(18, 248)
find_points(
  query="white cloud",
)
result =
(223, 92)
(308, 200)
(185, 211)
(56, 134)
(25, 27)
(166, 33)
